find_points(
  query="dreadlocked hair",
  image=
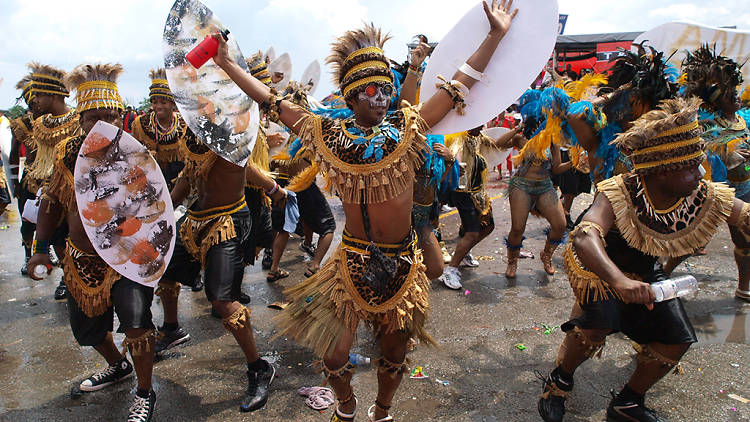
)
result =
(93, 72)
(660, 138)
(374, 63)
(646, 71)
(709, 75)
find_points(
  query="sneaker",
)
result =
(308, 249)
(469, 261)
(198, 286)
(61, 291)
(24, 268)
(451, 278)
(267, 259)
(258, 382)
(110, 375)
(621, 410)
(551, 404)
(169, 339)
(243, 298)
(142, 409)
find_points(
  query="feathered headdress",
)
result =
(43, 79)
(159, 85)
(709, 75)
(96, 86)
(357, 59)
(651, 79)
(667, 138)
(259, 68)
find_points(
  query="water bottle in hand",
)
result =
(359, 360)
(674, 287)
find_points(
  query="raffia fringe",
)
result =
(31, 184)
(139, 345)
(379, 181)
(49, 137)
(3, 181)
(238, 320)
(21, 132)
(168, 289)
(44, 163)
(92, 301)
(326, 306)
(222, 229)
(393, 369)
(716, 209)
(586, 285)
(304, 180)
(647, 354)
(61, 183)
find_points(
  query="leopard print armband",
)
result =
(272, 106)
(457, 91)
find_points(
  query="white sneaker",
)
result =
(469, 261)
(451, 278)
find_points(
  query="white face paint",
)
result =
(381, 95)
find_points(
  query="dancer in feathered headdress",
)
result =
(715, 79)
(45, 91)
(370, 161)
(662, 208)
(95, 290)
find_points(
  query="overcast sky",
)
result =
(67, 33)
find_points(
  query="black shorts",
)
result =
(171, 171)
(471, 219)
(23, 195)
(315, 211)
(573, 182)
(130, 300)
(4, 195)
(261, 234)
(225, 262)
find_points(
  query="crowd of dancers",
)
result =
(667, 150)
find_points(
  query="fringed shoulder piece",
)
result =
(22, 129)
(681, 230)
(50, 130)
(355, 167)
(139, 133)
(62, 184)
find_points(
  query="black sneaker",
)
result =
(142, 409)
(243, 298)
(267, 259)
(110, 375)
(622, 410)
(308, 249)
(551, 404)
(169, 339)
(198, 286)
(258, 382)
(61, 291)
(24, 268)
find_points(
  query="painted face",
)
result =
(89, 118)
(378, 96)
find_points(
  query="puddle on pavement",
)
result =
(722, 328)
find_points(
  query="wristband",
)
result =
(414, 68)
(469, 71)
(274, 189)
(40, 246)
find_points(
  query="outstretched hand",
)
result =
(419, 54)
(500, 16)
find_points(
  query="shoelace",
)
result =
(105, 373)
(252, 382)
(139, 410)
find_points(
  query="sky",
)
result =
(67, 33)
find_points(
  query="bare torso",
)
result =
(224, 185)
(390, 221)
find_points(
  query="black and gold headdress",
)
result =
(665, 139)
(648, 73)
(96, 86)
(709, 75)
(159, 85)
(259, 68)
(357, 59)
(43, 79)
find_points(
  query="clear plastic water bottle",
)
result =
(674, 287)
(40, 271)
(359, 360)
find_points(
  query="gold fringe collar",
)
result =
(715, 210)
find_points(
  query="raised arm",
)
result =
(558, 167)
(506, 139)
(289, 113)
(409, 88)
(589, 247)
(500, 18)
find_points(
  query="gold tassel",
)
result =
(139, 345)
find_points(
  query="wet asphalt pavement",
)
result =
(479, 372)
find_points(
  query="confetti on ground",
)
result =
(485, 258)
(417, 373)
(739, 398)
(467, 292)
(520, 346)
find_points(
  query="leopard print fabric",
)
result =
(357, 263)
(343, 147)
(167, 147)
(665, 223)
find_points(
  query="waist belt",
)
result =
(389, 249)
(202, 215)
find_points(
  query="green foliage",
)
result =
(15, 112)
(144, 105)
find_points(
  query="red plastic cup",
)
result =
(204, 51)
